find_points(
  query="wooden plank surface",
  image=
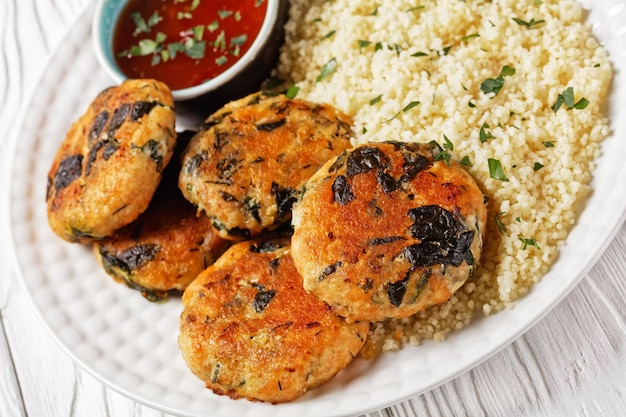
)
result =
(572, 363)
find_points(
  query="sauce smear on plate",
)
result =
(184, 42)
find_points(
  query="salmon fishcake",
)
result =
(167, 247)
(247, 164)
(111, 160)
(162, 251)
(387, 229)
(249, 329)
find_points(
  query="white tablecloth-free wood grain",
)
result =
(572, 363)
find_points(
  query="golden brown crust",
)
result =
(246, 166)
(168, 246)
(384, 230)
(163, 251)
(110, 162)
(248, 328)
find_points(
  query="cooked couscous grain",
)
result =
(518, 89)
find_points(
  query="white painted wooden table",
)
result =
(572, 363)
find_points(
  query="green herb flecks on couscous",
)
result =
(512, 85)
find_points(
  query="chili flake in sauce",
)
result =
(185, 42)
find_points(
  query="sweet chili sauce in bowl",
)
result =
(208, 50)
(185, 43)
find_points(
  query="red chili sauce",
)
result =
(184, 42)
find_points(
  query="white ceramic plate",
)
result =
(130, 344)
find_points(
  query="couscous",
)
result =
(512, 89)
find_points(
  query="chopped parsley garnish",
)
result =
(195, 49)
(223, 14)
(379, 46)
(410, 106)
(198, 32)
(468, 37)
(172, 50)
(238, 40)
(501, 226)
(418, 54)
(221, 60)
(494, 85)
(364, 44)
(213, 26)
(141, 26)
(538, 166)
(530, 24)
(329, 34)
(416, 8)
(292, 91)
(495, 170)
(220, 42)
(236, 43)
(444, 154)
(328, 68)
(506, 71)
(548, 144)
(567, 98)
(375, 99)
(529, 242)
(405, 109)
(485, 134)
(466, 161)
(148, 47)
